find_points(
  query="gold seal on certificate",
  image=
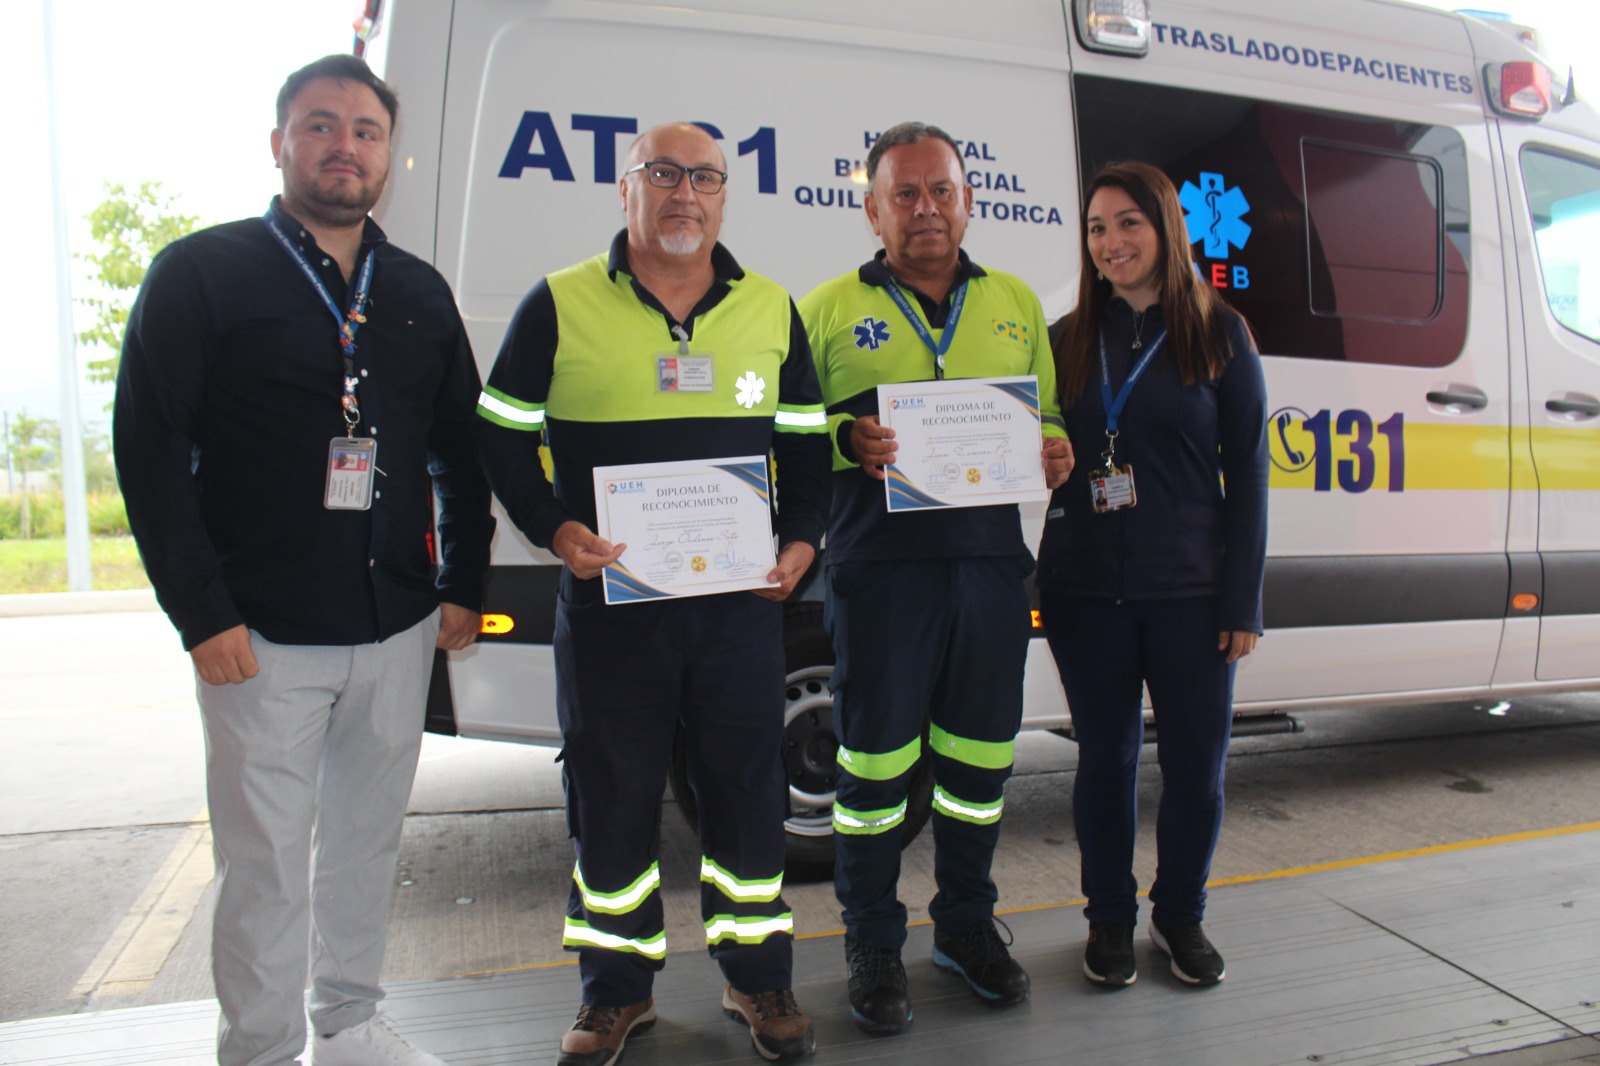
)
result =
(969, 442)
(691, 528)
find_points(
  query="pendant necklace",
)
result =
(1138, 330)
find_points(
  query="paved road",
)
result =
(105, 860)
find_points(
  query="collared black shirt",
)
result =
(227, 400)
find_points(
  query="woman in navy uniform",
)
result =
(1151, 564)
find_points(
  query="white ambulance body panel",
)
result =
(1422, 272)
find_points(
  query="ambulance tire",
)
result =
(810, 746)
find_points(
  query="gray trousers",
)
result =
(309, 766)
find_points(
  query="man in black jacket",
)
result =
(289, 542)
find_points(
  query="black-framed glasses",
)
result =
(664, 175)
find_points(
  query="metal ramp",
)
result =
(1487, 951)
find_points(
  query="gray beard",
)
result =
(681, 243)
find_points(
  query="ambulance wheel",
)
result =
(809, 749)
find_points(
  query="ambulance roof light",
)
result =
(1523, 89)
(1121, 27)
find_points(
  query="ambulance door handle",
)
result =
(1459, 397)
(1574, 405)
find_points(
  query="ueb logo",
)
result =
(619, 487)
(906, 403)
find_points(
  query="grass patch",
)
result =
(41, 565)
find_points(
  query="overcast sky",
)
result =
(176, 91)
(182, 91)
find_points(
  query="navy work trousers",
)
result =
(626, 675)
(1106, 651)
(919, 642)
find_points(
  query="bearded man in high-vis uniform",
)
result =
(665, 349)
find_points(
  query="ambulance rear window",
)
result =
(1564, 201)
(1339, 237)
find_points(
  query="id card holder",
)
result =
(679, 372)
(352, 464)
(1111, 489)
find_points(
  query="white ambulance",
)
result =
(1405, 204)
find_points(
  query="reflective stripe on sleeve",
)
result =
(620, 902)
(508, 411)
(966, 810)
(984, 754)
(747, 930)
(796, 418)
(884, 767)
(739, 889)
(867, 823)
(580, 934)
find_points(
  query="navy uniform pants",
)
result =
(935, 642)
(626, 675)
(1107, 652)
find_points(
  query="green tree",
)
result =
(34, 444)
(129, 229)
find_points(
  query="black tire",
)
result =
(810, 746)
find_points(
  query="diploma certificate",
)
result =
(970, 442)
(692, 528)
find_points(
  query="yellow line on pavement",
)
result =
(1293, 871)
(133, 955)
(1344, 864)
(1390, 856)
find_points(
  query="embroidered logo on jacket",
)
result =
(871, 333)
(750, 390)
(1019, 332)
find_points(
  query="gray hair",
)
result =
(905, 133)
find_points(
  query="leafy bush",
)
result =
(45, 517)
(108, 517)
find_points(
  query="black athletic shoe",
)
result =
(878, 996)
(980, 956)
(1108, 959)
(1194, 960)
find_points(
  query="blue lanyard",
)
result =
(949, 334)
(1114, 406)
(348, 322)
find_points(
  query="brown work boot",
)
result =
(596, 1038)
(779, 1029)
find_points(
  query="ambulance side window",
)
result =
(1382, 253)
(1338, 236)
(1564, 201)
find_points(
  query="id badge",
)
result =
(1111, 489)
(676, 372)
(352, 463)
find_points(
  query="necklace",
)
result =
(1138, 330)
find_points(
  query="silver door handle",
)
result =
(1573, 406)
(1459, 397)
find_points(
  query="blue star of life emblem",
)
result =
(871, 333)
(1213, 214)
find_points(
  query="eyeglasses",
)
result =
(665, 175)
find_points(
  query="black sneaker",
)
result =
(878, 996)
(1108, 959)
(980, 956)
(1194, 960)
